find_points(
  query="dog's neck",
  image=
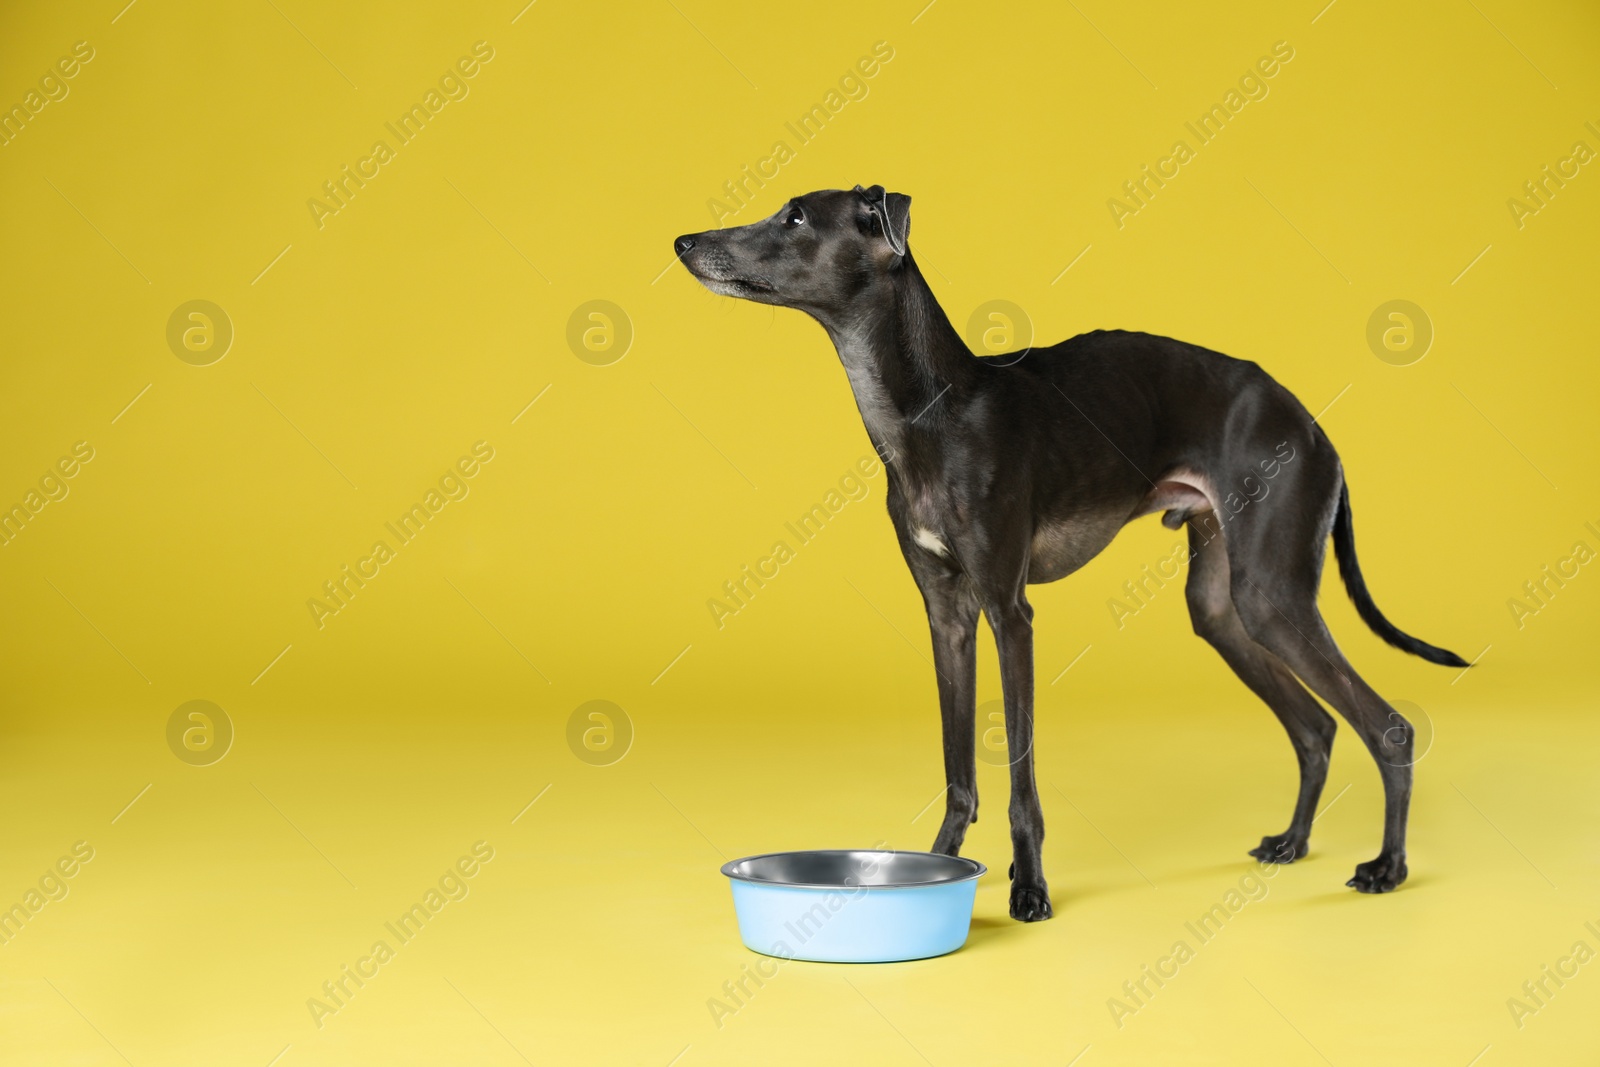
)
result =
(904, 359)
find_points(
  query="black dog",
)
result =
(1011, 470)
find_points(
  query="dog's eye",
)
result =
(793, 217)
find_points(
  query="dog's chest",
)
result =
(933, 522)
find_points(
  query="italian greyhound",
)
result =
(1005, 471)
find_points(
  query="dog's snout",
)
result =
(683, 245)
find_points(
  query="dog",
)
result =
(1006, 471)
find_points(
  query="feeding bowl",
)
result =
(853, 905)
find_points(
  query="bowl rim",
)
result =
(975, 869)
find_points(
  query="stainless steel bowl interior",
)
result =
(849, 868)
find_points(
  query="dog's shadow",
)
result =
(1414, 883)
(1211, 872)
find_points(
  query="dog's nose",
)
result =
(682, 246)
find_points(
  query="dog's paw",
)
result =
(1381, 875)
(1280, 849)
(1031, 903)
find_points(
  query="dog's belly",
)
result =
(1064, 545)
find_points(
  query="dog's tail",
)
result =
(1344, 547)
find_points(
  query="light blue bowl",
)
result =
(854, 906)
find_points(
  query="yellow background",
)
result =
(425, 716)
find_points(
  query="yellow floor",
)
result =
(216, 906)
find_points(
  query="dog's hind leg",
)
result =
(1275, 554)
(953, 620)
(1310, 728)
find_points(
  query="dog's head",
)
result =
(819, 253)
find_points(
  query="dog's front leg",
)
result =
(1012, 623)
(953, 620)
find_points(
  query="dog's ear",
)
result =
(894, 215)
(897, 221)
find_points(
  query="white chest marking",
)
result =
(930, 541)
